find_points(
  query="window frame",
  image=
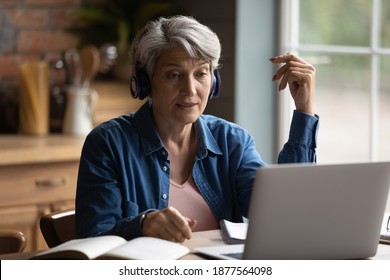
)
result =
(289, 42)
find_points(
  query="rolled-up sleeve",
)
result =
(302, 143)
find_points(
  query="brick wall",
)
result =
(39, 32)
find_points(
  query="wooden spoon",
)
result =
(90, 62)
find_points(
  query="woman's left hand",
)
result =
(300, 77)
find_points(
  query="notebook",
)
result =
(300, 211)
(385, 231)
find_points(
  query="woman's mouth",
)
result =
(186, 105)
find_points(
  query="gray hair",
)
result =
(160, 35)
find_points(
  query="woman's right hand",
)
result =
(168, 224)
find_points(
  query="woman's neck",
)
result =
(181, 147)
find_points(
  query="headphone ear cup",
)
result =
(140, 85)
(217, 83)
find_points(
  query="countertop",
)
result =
(24, 149)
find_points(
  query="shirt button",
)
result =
(164, 196)
(165, 168)
(163, 153)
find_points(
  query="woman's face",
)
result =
(180, 88)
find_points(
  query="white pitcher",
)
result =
(80, 105)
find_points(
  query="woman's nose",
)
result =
(189, 86)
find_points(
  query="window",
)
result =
(349, 43)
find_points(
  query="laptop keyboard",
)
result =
(237, 256)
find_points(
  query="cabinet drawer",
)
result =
(37, 183)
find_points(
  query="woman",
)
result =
(168, 170)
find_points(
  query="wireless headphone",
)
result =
(140, 85)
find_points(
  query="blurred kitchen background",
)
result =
(33, 30)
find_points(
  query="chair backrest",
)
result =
(58, 227)
(12, 241)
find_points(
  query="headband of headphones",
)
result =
(140, 85)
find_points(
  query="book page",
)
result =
(86, 248)
(147, 248)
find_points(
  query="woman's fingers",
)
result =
(299, 75)
(168, 224)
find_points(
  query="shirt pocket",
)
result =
(130, 209)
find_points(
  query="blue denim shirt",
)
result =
(124, 170)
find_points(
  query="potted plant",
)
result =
(100, 22)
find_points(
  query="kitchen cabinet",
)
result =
(37, 176)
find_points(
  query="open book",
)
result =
(115, 247)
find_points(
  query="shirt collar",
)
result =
(206, 140)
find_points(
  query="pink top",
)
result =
(187, 199)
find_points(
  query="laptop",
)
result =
(300, 211)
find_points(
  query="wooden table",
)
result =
(205, 238)
(201, 239)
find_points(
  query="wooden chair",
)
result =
(12, 241)
(58, 227)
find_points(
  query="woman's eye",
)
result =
(172, 75)
(202, 74)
